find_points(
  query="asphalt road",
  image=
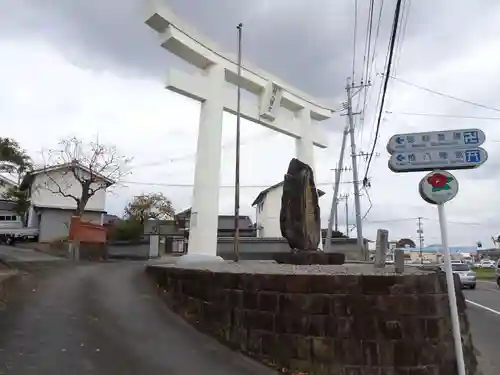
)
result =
(104, 319)
(483, 310)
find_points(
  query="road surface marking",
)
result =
(483, 307)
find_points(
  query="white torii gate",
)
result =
(282, 108)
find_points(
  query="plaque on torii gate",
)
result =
(281, 108)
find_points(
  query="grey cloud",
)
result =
(310, 45)
(101, 35)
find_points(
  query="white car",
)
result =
(464, 272)
(487, 264)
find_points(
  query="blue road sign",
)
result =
(435, 140)
(444, 158)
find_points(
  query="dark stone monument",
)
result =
(300, 216)
(300, 221)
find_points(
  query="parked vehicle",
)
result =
(486, 263)
(465, 273)
(11, 235)
(497, 272)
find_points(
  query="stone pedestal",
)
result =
(310, 257)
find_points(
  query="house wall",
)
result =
(41, 194)
(54, 223)
(267, 216)
(10, 220)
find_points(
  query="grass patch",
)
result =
(485, 273)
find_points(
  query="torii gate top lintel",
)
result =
(201, 52)
(183, 41)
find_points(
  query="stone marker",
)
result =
(300, 214)
(399, 261)
(381, 249)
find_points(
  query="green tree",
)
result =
(15, 161)
(149, 206)
(126, 230)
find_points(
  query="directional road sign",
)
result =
(443, 158)
(434, 140)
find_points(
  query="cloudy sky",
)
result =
(93, 67)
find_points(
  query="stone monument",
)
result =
(300, 220)
(300, 214)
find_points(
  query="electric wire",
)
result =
(402, 33)
(443, 115)
(389, 63)
(443, 94)
(185, 185)
(365, 79)
(376, 36)
(354, 38)
(192, 155)
(255, 71)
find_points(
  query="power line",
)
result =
(402, 33)
(442, 115)
(365, 77)
(443, 94)
(421, 218)
(376, 35)
(368, 44)
(354, 38)
(371, 67)
(386, 81)
(391, 220)
(189, 156)
(221, 186)
(254, 70)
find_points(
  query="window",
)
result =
(460, 267)
(8, 218)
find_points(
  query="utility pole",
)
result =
(366, 155)
(237, 166)
(346, 198)
(333, 210)
(337, 215)
(420, 232)
(357, 202)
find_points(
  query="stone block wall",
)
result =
(325, 324)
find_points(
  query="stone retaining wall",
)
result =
(324, 324)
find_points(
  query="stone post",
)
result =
(399, 261)
(382, 245)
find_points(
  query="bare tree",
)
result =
(92, 166)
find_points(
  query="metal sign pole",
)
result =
(455, 322)
(237, 167)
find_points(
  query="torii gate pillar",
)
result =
(205, 205)
(209, 87)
